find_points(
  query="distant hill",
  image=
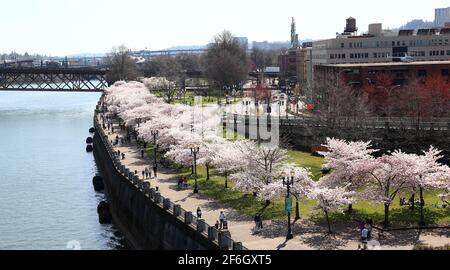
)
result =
(417, 24)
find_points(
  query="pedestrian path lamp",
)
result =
(155, 134)
(288, 181)
(194, 151)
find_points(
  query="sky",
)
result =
(64, 27)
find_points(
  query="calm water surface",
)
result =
(46, 193)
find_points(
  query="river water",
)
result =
(47, 200)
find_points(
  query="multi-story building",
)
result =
(243, 41)
(296, 65)
(400, 72)
(379, 46)
(441, 16)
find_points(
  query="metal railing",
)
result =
(406, 123)
(220, 238)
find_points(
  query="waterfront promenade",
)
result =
(307, 235)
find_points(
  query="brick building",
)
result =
(401, 72)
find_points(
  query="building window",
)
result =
(366, 55)
(351, 55)
(448, 52)
(343, 56)
(442, 52)
(350, 45)
(342, 45)
(422, 73)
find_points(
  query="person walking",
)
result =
(369, 230)
(260, 223)
(154, 170)
(362, 225)
(364, 235)
(146, 173)
(199, 213)
(143, 174)
(256, 221)
(221, 219)
(142, 153)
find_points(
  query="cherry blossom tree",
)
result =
(228, 159)
(181, 152)
(330, 199)
(389, 176)
(262, 166)
(210, 147)
(427, 173)
(347, 161)
(301, 187)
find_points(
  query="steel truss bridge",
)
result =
(53, 79)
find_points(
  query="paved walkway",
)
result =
(307, 235)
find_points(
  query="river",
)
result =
(47, 200)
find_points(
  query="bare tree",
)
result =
(122, 66)
(226, 61)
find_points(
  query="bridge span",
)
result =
(61, 79)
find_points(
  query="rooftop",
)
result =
(417, 63)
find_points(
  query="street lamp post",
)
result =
(194, 151)
(279, 109)
(288, 182)
(155, 133)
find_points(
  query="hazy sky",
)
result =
(61, 27)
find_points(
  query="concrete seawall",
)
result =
(148, 220)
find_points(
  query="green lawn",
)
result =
(305, 159)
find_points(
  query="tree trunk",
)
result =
(297, 209)
(350, 208)
(386, 215)
(422, 203)
(328, 222)
(226, 180)
(413, 202)
(207, 172)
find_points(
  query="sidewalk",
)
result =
(306, 234)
